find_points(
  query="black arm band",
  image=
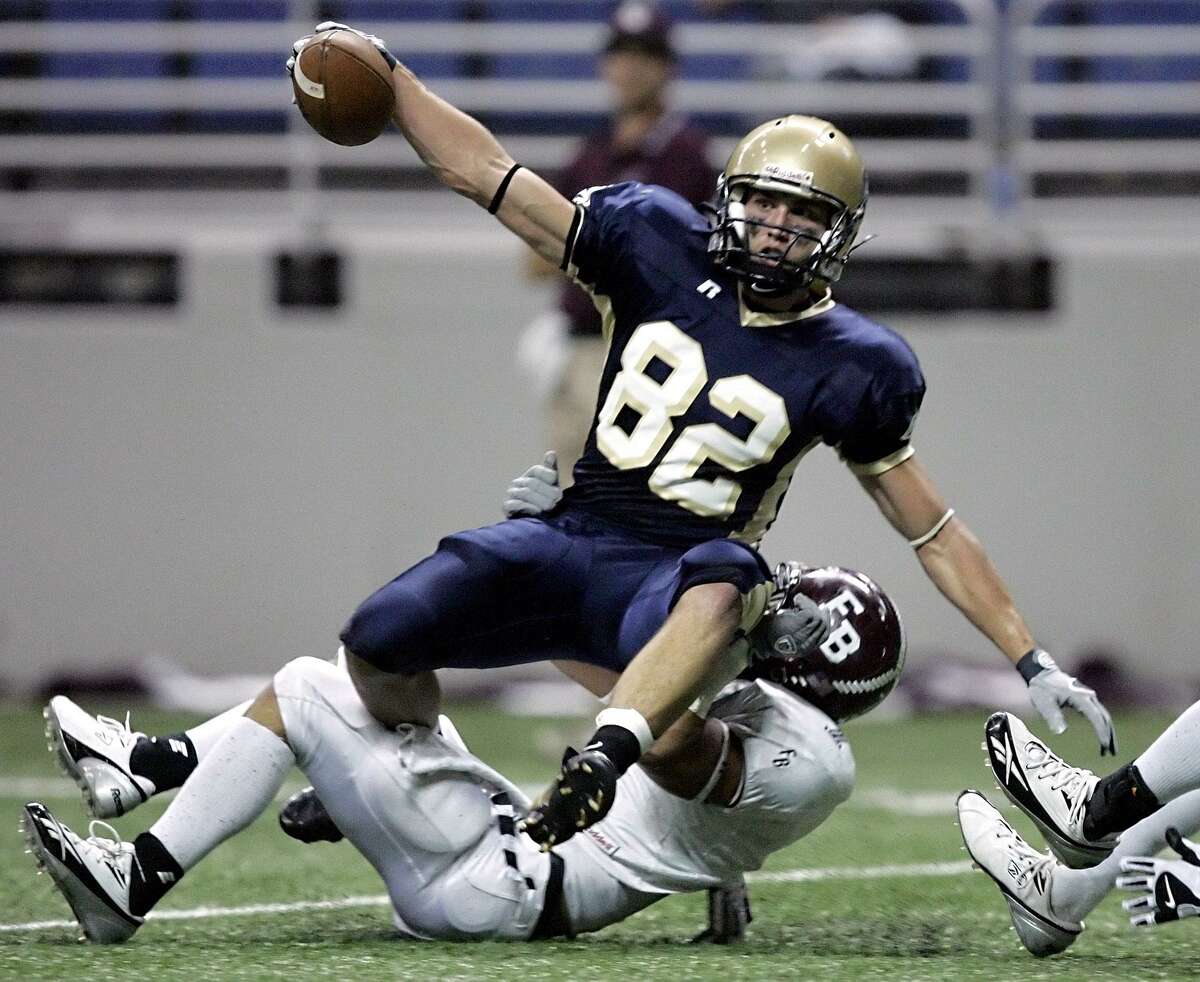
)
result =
(502, 190)
(617, 744)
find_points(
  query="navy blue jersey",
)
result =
(705, 406)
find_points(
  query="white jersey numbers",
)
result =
(684, 374)
(655, 402)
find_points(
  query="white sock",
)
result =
(1075, 892)
(233, 784)
(204, 736)
(1171, 764)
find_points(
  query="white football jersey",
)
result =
(798, 769)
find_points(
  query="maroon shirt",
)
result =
(673, 154)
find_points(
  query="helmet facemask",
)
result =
(792, 157)
(767, 270)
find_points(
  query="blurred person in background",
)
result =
(562, 350)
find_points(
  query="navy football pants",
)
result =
(532, 589)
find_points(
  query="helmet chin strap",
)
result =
(772, 292)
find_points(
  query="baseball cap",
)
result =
(640, 26)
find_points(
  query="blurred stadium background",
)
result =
(247, 376)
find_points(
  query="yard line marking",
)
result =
(918, 804)
(954, 868)
(201, 913)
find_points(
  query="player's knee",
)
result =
(394, 699)
(301, 674)
(304, 678)
(719, 604)
(382, 630)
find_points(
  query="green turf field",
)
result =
(839, 923)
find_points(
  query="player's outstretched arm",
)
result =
(468, 159)
(959, 566)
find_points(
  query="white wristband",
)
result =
(941, 524)
(628, 719)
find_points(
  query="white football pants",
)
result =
(418, 806)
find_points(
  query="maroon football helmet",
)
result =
(857, 664)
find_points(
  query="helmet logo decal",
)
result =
(856, 665)
(785, 644)
(804, 177)
(843, 640)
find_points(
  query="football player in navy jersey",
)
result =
(728, 361)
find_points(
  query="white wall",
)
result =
(222, 485)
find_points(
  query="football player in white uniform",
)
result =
(1096, 827)
(763, 766)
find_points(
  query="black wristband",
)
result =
(617, 744)
(502, 190)
(1031, 665)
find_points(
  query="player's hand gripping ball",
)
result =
(581, 795)
(343, 85)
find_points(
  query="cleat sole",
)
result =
(67, 764)
(99, 923)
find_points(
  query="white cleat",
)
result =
(1051, 792)
(94, 752)
(1022, 873)
(92, 874)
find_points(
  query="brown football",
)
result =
(343, 87)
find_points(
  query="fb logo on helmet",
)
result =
(843, 640)
(855, 664)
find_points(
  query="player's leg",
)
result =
(674, 647)
(1022, 873)
(501, 595)
(416, 804)
(1168, 768)
(676, 633)
(118, 768)
(1077, 891)
(1080, 813)
(110, 884)
(391, 700)
(1048, 900)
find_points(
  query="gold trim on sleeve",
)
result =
(883, 464)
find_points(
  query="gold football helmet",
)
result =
(800, 156)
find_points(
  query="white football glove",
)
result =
(1167, 889)
(1051, 689)
(536, 491)
(332, 25)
